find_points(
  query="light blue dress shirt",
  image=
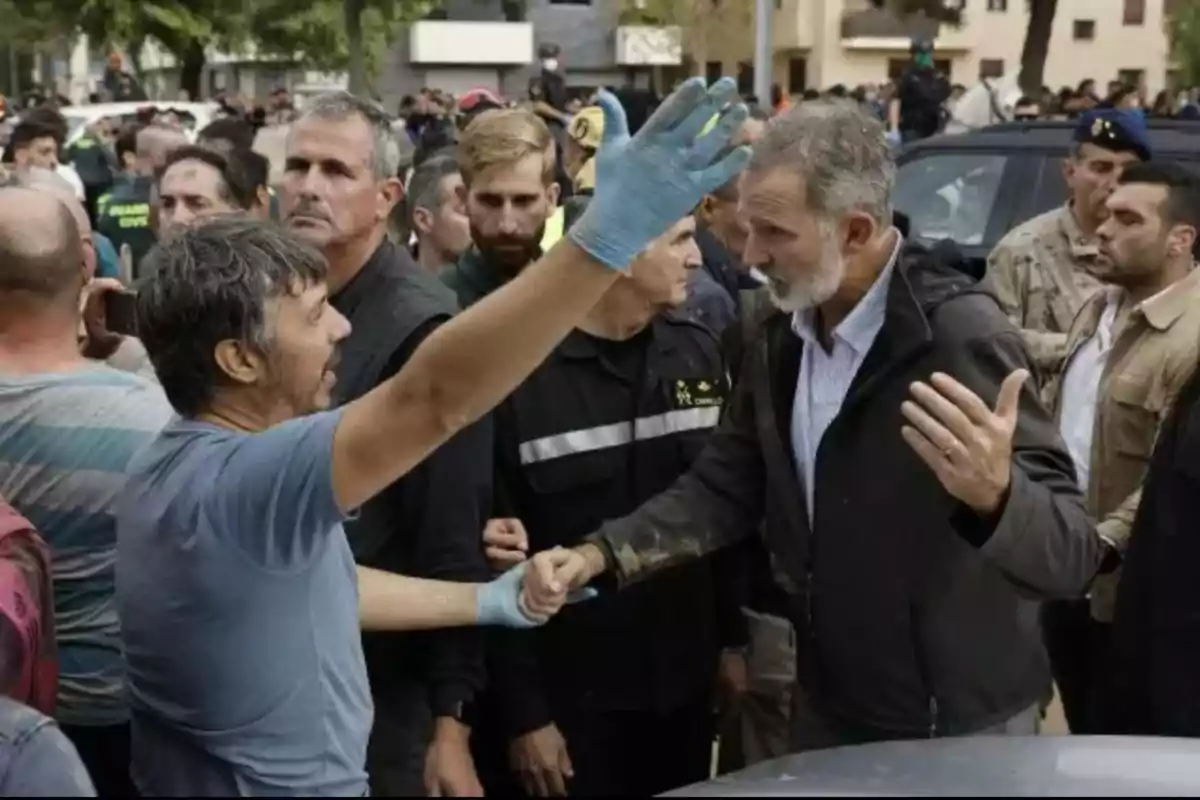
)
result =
(825, 376)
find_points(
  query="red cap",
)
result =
(470, 100)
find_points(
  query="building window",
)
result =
(997, 5)
(713, 70)
(1085, 29)
(1135, 12)
(571, 2)
(991, 68)
(745, 81)
(797, 75)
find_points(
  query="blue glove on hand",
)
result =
(647, 183)
(498, 601)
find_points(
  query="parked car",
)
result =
(979, 766)
(973, 188)
(193, 116)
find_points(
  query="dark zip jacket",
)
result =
(914, 616)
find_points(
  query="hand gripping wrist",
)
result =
(497, 602)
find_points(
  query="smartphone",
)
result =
(120, 312)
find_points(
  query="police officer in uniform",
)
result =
(917, 111)
(1041, 271)
(615, 698)
(92, 157)
(123, 215)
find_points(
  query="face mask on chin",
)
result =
(550, 65)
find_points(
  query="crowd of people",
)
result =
(492, 449)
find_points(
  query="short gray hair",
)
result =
(339, 106)
(425, 186)
(841, 152)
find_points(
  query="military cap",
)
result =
(1116, 129)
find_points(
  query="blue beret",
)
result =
(1117, 129)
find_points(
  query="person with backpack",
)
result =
(28, 657)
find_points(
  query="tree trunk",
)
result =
(1037, 46)
(353, 11)
(191, 69)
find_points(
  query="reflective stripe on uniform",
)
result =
(549, 448)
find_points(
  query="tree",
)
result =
(1037, 46)
(352, 35)
(23, 29)
(28, 23)
(184, 28)
(1183, 32)
(324, 34)
(384, 17)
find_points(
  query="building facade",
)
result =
(816, 43)
(493, 44)
(821, 43)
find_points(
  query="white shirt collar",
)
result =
(862, 324)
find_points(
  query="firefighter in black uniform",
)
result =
(615, 697)
(919, 108)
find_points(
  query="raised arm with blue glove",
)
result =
(647, 183)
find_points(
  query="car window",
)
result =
(1051, 189)
(949, 195)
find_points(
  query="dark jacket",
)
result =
(1152, 681)
(914, 617)
(655, 647)
(472, 278)
(922, 92)
(720, 264)
(430, 522)
(123, 215)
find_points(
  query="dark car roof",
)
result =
(1166, 136)
(1001, 766)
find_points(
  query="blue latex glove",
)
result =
(647, 183)
(893, 138)
(496, 602)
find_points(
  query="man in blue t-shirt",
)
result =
(242, 639)
(239, 599)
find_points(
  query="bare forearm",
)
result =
(388, 602)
